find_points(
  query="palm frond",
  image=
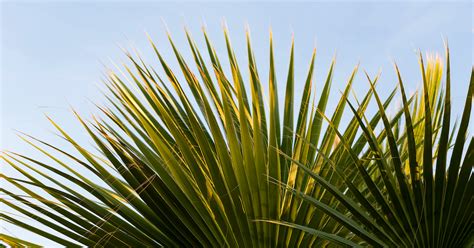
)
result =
(206, 161)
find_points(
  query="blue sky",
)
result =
(53, 54)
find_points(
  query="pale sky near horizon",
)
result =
(52, 53)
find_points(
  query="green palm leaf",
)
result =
(206, 161)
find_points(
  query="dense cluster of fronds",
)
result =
(218, 166)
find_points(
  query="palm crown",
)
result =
(218, 166)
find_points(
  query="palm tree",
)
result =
(218, 166)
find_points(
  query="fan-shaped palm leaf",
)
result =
(207, 162)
